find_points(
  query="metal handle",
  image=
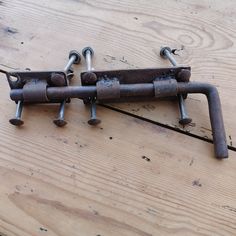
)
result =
(147, 90)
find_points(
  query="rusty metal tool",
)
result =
(166, 53)
(116, 86)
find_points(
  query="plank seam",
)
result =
(163, 125)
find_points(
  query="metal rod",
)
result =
(60, 121)
(17, 120)
(183, 113)
(74, 58)
(19, 109)
(88, 54)
(147, 90)
(70, 63)
(62, 110)
(170, 57)
(184, 118)
(93, 119)
(88, 58)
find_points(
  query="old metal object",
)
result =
(74, 58)
(34, 85)
(118, 86)
(93, 119)
(17, 120)
(90, 77)
(60, 121)
(184, 75)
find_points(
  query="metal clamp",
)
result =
(108, 89)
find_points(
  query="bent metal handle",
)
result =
(151, 90)
(216, 118)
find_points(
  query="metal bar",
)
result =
(70, 63)
(166, 52)
(170, 57)
(88, 59)
(17, 120)
(147, 90)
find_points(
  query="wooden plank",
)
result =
(127, 176)
(129, 35)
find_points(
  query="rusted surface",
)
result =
(108, 89)
(18, 79)
(165, 88)
(35, 91)
(138, 76)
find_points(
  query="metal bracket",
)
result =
(35, 84)
(136, 76)
(104, 79)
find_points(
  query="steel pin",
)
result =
(60, 121)
(88, 54)
(17, 120)
(166, 53)
(74, 58)
(93, 119)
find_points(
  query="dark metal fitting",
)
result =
(163, 52)
(165, 88)
(184, 75)
(90, 77)
(17, 120)
(185, 121)
(35, 91)
(58, 79)
(184, 118)
(76, 55)
(84, 51)
(93, 119)
(60, 121)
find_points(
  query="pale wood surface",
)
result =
(127, 176)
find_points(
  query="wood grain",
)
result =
(103, 181)
(127, 176)
(129, 35)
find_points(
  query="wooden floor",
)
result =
(129, 176)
